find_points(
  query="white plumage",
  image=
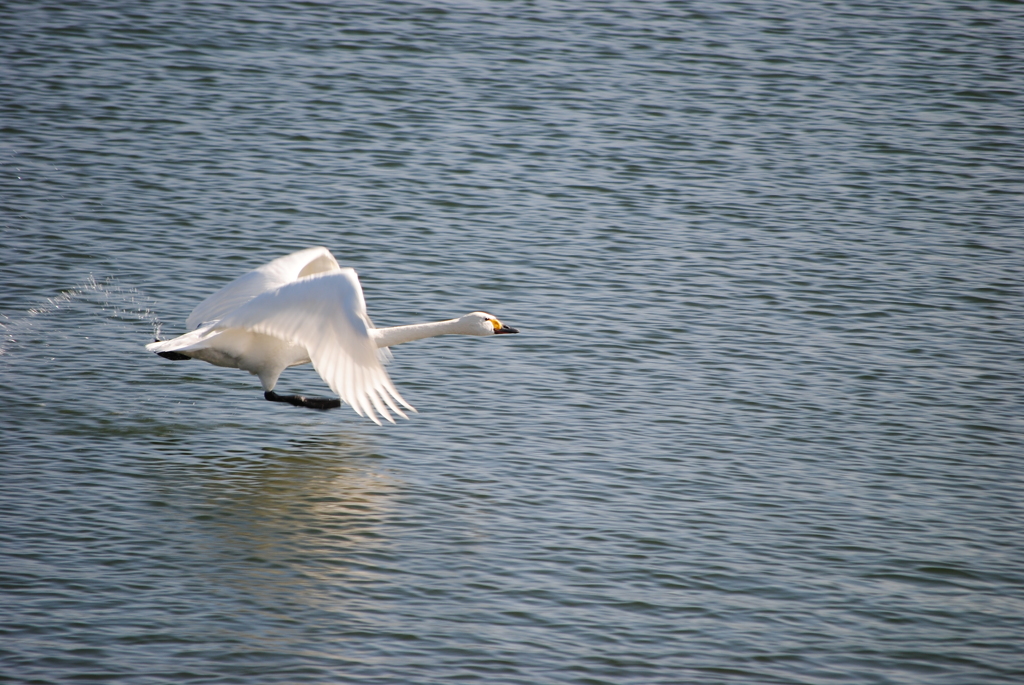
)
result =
(305, 308)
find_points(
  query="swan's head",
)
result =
(482, 323)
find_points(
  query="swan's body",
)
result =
(304, 308)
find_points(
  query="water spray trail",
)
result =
(115, 304)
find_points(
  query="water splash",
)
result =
(108, 302)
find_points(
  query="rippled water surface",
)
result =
(764, 422)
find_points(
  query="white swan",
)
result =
(304, 308)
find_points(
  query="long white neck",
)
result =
(396, 335)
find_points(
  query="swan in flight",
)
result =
(304, 308)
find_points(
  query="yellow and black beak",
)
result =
(500, 328)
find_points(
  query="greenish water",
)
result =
(763, 423)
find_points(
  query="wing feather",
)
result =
(266, 278)
(381, 409)
(326, 314)
(386, 396)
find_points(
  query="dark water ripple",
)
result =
(763, 424)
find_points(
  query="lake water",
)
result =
(764, 422)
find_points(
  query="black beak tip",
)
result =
(506, 329)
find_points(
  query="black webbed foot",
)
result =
(174, 356)
(302, 401)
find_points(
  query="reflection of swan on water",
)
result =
(304, 308)
(324, 499)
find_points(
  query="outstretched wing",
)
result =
(270, 276)
(326, 314)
